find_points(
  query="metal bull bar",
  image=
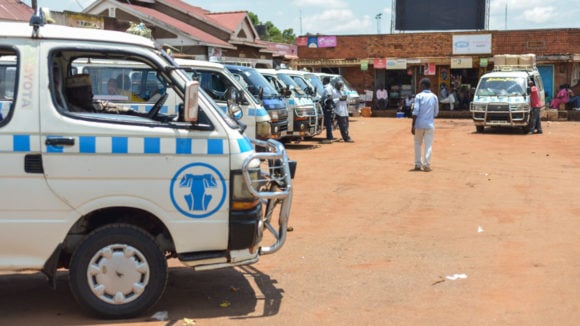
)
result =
(274, 187)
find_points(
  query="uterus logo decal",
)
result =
(198, 190)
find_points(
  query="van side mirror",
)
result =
(233, 100)
(191, 101)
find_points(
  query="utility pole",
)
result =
(506, 14)
(301, 22)
(378, 18)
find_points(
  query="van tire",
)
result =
(479, 129)
(118, 262)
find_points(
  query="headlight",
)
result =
(274, 115)
(519, 107)
(263, 130)
(242, 198)
(478, 107)
(301, 111)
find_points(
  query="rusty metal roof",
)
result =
(15, 10)
(198, 34)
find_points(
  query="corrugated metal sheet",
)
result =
(14, 10)
(194, 32)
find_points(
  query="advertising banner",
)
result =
(327, 41)
(472, 44)
(430, 69)
(364, 65)
(461, 63)
(380, 63)
(302, 41)
(396, 64)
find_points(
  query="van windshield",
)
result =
(501, 86)
(316, 82)
(255, 80)
(291, 82)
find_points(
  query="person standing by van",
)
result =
(341, 111)
(327, 106)
(535, 103)
(425, 109)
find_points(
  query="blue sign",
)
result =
(198, 190)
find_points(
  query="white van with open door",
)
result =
(110, 192)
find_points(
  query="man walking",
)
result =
(425, 110)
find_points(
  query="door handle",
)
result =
(60, 141)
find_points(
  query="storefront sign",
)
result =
(364, 65)
(380, 63)
(430, 69)
(312, 41)
(472, 44)
(84, 21)
(302, 41)
(461, 63)
(483, 62)
(327, 41)
(396, 64)
(321, 41)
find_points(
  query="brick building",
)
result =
(399, 61)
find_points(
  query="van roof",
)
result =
(509, 73)
(267, 70)
(60, 32)
(198, 63)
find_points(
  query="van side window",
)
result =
(213, 83)
(8, 82)
(121, 90)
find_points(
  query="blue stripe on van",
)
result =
(215, 146)
(120, 145)
(152, 146)
(261, 112)
(245, 145)
(21, 143)
(128, 145)
(54, 149)
(87, 144)
(183, 146)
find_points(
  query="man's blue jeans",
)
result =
(328, 124)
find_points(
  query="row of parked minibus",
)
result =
(282, 104)
(291, 98)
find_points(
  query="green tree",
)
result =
(273, 33)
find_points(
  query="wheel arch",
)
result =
(102, 217)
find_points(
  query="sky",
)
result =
(347, 17)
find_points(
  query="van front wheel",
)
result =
(479, 129)
(118, 271)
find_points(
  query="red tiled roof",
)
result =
(14, 10)
(231, 20)
(181, 26)
(197, 12)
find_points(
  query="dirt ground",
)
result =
(490, 237)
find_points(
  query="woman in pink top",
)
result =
(561, 97)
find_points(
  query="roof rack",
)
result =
(531, 67)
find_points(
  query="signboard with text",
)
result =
(472, 44)
(396, 64)
(461, 63)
